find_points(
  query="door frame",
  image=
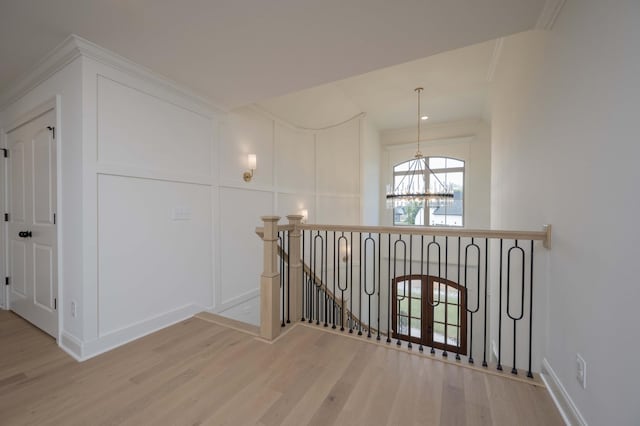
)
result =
(54, 104)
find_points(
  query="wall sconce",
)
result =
(305, 215)
(344, 252)
(251, 160)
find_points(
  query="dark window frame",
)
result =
(427, 314)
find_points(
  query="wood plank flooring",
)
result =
(200, 372)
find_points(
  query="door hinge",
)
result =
(54, 218)
(6, 280)
(55, 303)
(53, 131)
(5, 152)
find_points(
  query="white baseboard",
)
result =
(568, 409)
(237, 300)
(71, 345)
(82, 351)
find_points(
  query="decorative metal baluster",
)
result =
(373, 291)
(318, 279)
(288, 278)
(529, 373)
(333, 302)
(304, 278)
(282, 277)
(486, 273)
(421, 348)
(390, 283)
(326, 278)
(395, 276)
(499, 367)
(459, 310)
(516, 318)
(379, 284)
(466, 291)
(346, 280)
(446, 297)
(351, 286)
(432, 303)
(312, 274)
(360, 284)
(409, 345)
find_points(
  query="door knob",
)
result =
(25, 234)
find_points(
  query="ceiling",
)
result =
(456, 87)
(236, 52)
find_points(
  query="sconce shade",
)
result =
(251, 159)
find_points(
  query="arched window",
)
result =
(450, 171)
(431, 311)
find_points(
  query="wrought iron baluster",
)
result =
(373, 290)
(433, 304)
(466, 291)
(515, 318)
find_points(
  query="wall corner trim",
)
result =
(550, 12)
(568, 409)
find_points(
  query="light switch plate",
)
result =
(181, 213)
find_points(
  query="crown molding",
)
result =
(62, 55)
(269, 115)
(549, 13)
(73, 47)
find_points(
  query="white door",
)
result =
(33, 277)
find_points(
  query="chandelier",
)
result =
(418, 183)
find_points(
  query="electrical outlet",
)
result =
(581, 371)
(73, 309)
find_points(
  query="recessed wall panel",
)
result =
(295, 160)
(240, 247)
(139, 130)
(338, 159)
(334, 210)
(154, 249)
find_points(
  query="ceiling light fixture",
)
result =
(419, 184)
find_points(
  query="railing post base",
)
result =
(295, 268)
(270, 281)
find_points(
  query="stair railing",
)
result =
(420, 286)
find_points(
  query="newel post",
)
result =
(270, 281)
(295, 265)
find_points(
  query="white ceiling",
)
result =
(456, 87)
(240, 51)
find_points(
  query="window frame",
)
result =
(427, 314)
(426, 211)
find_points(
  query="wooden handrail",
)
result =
(544, 235)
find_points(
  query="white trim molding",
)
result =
(568, 409)
(82, 351)
(550, 12)
(73, 47)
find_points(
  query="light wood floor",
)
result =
(199, 372)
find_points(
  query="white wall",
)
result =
(316, 170)
(370, 175)
(564, 107)
(468, 140)
(133, 148)
(149, 154)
